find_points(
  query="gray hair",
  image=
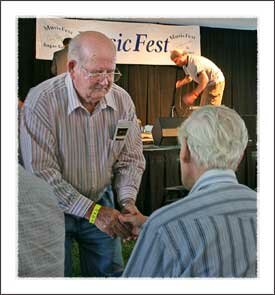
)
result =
(216, 137)
(75, 50)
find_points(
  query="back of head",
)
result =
(90, 44)
(66, 41)
(216, 137)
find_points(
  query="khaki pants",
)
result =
(212, 94)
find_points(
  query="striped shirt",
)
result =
(41, 233)
(75, 151)
(197, 64)
(210, 233)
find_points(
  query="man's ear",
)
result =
(71, 67)
(185, 154)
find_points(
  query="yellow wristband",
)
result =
(94, 213)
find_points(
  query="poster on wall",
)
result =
(136, 43)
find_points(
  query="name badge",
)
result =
(122, 129)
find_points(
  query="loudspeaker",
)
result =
(165, 130)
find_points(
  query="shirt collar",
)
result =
(74, 102)
(109, 101)
(214, 176)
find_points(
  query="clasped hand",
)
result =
(125, 225)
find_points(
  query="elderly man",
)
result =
(212, 231)
(79, 132)
(205, 73)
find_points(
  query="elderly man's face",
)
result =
(94, 79)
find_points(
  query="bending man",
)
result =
(205, 73)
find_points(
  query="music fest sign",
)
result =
(136, 43)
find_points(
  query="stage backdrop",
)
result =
(152, 87)
(136, 43)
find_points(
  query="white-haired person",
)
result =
(212, 231)
(205, 73)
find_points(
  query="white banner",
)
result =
(136, 43)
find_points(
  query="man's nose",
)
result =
(104, 79)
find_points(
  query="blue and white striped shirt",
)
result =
(210, 233)
(74, 150)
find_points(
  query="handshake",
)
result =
(125, 224)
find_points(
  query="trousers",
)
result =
(100, 255)
(212, 94)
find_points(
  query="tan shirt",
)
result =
(59, 64)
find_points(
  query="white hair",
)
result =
(216, 137)
(75, 50)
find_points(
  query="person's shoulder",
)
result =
(45, 91)
(121, 96)
(166, 214)
(117, 90)
(60, 51)
(194, 205)
(195, 57)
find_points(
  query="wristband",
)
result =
(194, 92)
(94, 213)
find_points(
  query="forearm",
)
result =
(203, 81)
(199, 89)
(186, 80)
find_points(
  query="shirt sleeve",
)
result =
(129, 168)
(40, 156)
(198, 66)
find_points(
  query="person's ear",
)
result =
(71, 67)
(185, 154)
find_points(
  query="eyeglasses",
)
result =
(110, 75)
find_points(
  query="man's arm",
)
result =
(189, 98)
(187, 79)
(203, 81)
(40, 156)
